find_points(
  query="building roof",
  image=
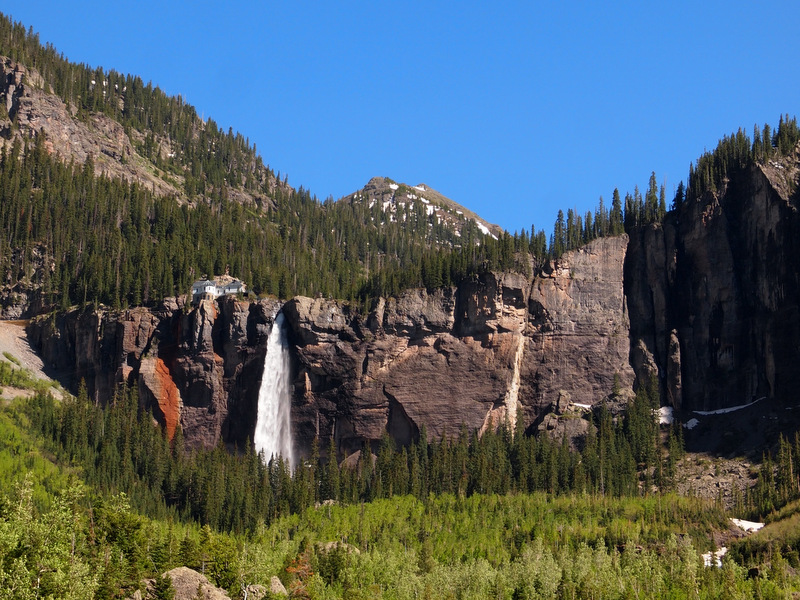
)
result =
(221, 285)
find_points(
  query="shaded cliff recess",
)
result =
(713, 292)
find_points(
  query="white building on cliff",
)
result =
(207, 289)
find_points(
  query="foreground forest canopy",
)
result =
(95, 501)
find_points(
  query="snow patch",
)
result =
(724, 411)
(485, 229)
(665, 415)
(691, 424)
(393, 186)
(430, 210)
(748, 526)
(424, 201)
(372, 203)
(421, 188)
(714, 559)
(458, 212)
(579, 405)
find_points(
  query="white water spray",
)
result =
(273, 432)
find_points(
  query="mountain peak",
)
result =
(393, 195)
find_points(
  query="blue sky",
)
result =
(513, 110)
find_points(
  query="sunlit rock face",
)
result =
(496, 349)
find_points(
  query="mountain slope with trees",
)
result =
(144, 181)
(166, 190)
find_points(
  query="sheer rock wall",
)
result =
(713, 293)
(706, 301)
(494, 349)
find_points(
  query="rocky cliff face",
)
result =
(32, 108)
(706, 301)
(497, 348)
(199, 369)
(489, 351)
(713, 293)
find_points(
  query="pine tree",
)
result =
(162, 588)
(616, 218)
(677, 202)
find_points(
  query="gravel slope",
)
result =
(14, 341)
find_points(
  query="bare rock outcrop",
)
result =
(21, 278)
(577, 331)
(406, 368)
(197, 369)
(188, 585)
(495, 349)
(34, 108)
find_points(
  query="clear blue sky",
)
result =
(514, 110)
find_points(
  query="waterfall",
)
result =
(512, 395)
(273, 432)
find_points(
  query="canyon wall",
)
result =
(197, 368)
(496, 349)
(492, 350)
(706, 302)
(713, 293)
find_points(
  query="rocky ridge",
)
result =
(32, 108)
(393, 198)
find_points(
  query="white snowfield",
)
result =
(665, 415)
(485, 229)
(691, 423)
(748, 526)
(714, 559)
